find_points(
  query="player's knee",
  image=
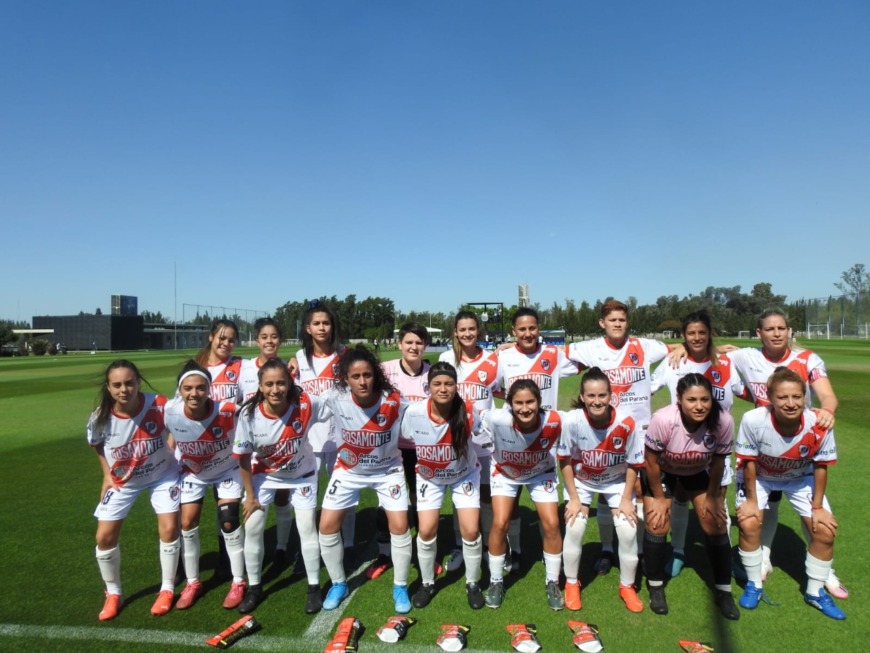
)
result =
(229, 517)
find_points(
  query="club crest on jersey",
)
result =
(545, 442)
(150, 426)
(227, 483)
(231, 375)
(305, 491)
(395, 491)
(467, 488)
(482, 376)
(709, 441)
(381, 419)
(804, 451)
(217, 432)
(545, 364)
(549, 487)
(335, 369)
(425, 388)
(633, 358)
(174, 492)
(618, 442)
(716, 376)
(297, 425)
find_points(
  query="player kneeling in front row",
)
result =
(782, 447)
(599, 452)
(440, 428)
(687, 446)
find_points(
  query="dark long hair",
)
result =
(316, 306)
(293, 390)
(104, 402)
(463, 315)
(704, 318)
(215, 328)
(458, 417)
(695, 380)
(362, 354)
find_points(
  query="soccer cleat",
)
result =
(751, 596)
(572, 596)
(630, 598)
(454, 560)
(313, 602)
(235, 595)
(835, 587)
(378, 567)
(495, 595)
(253, 597)
(400, 597)
(826, 604)
(163, 604)
(336, 594)
(554, 595)
(725, 602)
(674, 566)
(111, 607)
(693, 646)
(475, 596)
(604, 564)
(423, 595)
(189, 595)
(657, 601)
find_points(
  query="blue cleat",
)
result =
(400, 596)
(826, 604)
(674, 566)
(751, 596)
(336, 594)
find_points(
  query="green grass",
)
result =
(53, 590)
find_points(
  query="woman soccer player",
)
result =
(217, 357)
(274, 425)
(477, 379)
(523, 437)
(687, 444)
(756, 365)
(203, 431)
(599, 452)
(784, 447)
(701, 358)
(368, 413)
(441, 429)
(128, 435)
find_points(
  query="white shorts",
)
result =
(542, 488)
(465, 492)
(799, 492)
(612, 493)
(303, 491)
(116, 503)
(193, 488)
(344, 487)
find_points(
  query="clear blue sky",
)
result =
(431, 152)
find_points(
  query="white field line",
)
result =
(255, 642)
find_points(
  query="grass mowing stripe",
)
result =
(255, 642)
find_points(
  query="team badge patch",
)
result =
(305, 490)
(231, 375)
(804, 451)
(174, 491)
(151, 427)
(395, 491)
(618, 443)
(716, 376)
(634, 359)
(335, 369)
(549, 487)
(217, 432)
(709, 441)
(544, 442)
(482, 376)
(297, 425)
(467, 488)
(426, 389)
(381, 419)
(545, 364)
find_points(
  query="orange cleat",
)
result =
(572, 596)
(191, 592)
(235, 595)
(111, 607)
(630, 597)
(163, 604)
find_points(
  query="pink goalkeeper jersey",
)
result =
(413, 388)
(600, 456)
(628, 369)
(135, 447)
(685, 453)
(544, 366)
(204, 447)
(781, 457)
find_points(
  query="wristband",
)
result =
(829, 412)
(818, 507)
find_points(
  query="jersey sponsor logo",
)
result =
(348, 457)
(202, 448)
(223, 391)
(367, 439)
(317, 386)
(288, 447)
(543, 381)
(425, 472)
(688, 457)
(625, 375)
(595, 459)
(138, 449)
(436, 453)
(472, 391)
(718, 393)
(759, 391)
(777, 464)
(527, 458)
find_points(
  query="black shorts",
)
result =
(671, 483)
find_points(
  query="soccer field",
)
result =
(53, 591)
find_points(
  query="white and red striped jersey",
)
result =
(280, 443)
(368, 438)
(225, 380)
(755, 368)
(316, 379)
(545, 367)
(723, 378)
(520, 456)
(781, 457)
(249, 379)
(204, 447)
(600, 456)
(683, 453)
(433, 441)
(475, 379)
(135, 447)
(628, 369)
